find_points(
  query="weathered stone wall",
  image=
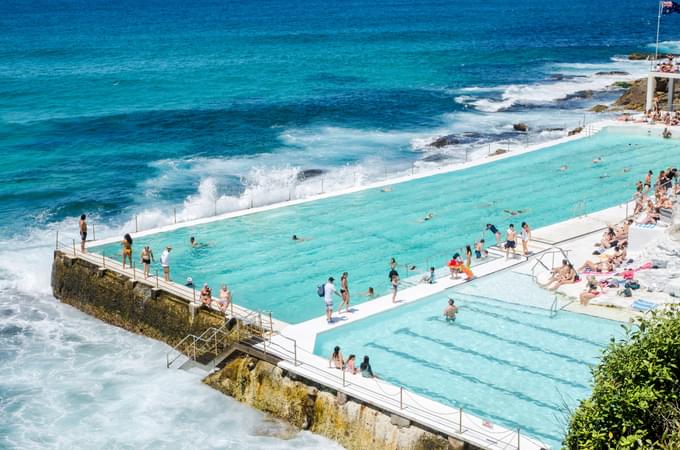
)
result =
(131, 305)
(353, 424)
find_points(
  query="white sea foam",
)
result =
(579, 77)
(666, 46)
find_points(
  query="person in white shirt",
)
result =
(165, 263)
(328, 291)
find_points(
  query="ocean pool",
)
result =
(513, 364)
(359, 232)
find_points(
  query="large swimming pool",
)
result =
(359, 232)
(512, 364)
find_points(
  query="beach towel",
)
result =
(643, 305)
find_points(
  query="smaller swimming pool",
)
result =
(510, 363)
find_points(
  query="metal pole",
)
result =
(271, 324)
(251, 201)
(74, 247)
(103, 260)
(215, 208)
(136, 224)
(658, 26)
(519, 439)
(174, 214)
(413, 167)
(460, 420)
(56, 241)
(94, 235)
(156, 278)
(401, 397)
(134, 277)
(322, 185)
(295, 353)
(466, 155)
(343, 377)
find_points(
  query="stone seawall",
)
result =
(352, 423)
(129, 304)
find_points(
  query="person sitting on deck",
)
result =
(557, 273)
(429, 277)
(366, 370)
(336, 360)
(605, 265)
(350, 365)
(455, 265)
(480, 251)
(592, 290)
(569, 277)
(206, 295)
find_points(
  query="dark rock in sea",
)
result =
(444, 141)
(523, 127)
(576, 130)
(553, 129)
(620, 85)
(580, 94)
(472, 134)
(437, 157)
(613, 72)
(308, 173)
(561, 76)
(646, 56)
(499, 151)
(599, 108)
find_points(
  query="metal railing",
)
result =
(457, 423)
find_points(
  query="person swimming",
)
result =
(603, 176)
(513, 212)
(564, 168)
(386, 189)
(597, 160)
(195, 244)
(427, 217)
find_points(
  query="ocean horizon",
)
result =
(156, 109)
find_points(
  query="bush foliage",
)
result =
(635, 401)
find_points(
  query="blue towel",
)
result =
(643, 305)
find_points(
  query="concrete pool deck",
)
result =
(295, 343)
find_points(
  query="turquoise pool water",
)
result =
(509, 363)
(359, 232)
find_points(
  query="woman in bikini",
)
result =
(344, 292)
(206, 295)
(336, 361)
(127, 249)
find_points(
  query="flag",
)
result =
(670, 7)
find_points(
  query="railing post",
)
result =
(94, 235)
(156, 278)
(413, 168)
(460, 420)
(271, 325)
(295, 353)
(134, 275)
(251, 201)
(466, 154)
(322, 185)
(56, 241)
(74, 247)
(136, 224)
(174, 214)
(103, 260)
(519, 439)
(343, 376)
(401, 397)
(215, 210)
(194, 289)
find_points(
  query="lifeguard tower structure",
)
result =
(652, 78)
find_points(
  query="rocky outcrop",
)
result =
(443, 141)
(355, 425)
(120, 301)
(612, 73)
(523, 127)
(576, 130)
(599, 108)
(308, 173)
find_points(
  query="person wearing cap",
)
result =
(189, 282)
(328, 291)
(165, 263)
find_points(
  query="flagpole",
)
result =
(658, 25)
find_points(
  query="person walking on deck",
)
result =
(328, 292)
(165, 263)
(82, 225)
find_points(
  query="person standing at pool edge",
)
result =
(344, 292)
(526, 237)
(165, 263)
(146, 257)
(127, 248)
(511, 241)
(82, 225)
(328, 291)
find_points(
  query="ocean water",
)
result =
(135, 108)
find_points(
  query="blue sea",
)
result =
(124, 109)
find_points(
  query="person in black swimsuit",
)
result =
(491, 227)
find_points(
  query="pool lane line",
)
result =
(464, 376)
(454, 347)
(536, 327)
(471, 408)
(516, 342)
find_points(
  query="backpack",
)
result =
(321, 290)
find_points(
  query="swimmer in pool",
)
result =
(597, 160)
(515, 213)
(386, 189)
(195, 244)
(564, 168)
(626, 169)
(602, 177)
(297, 238)
(427, 218)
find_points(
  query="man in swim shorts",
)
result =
(165, 263)
(511, 241)
(328, 291)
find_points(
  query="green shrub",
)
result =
(635, 402)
